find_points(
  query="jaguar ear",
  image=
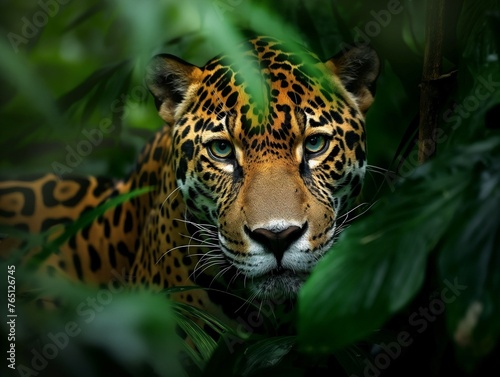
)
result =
(357, 69)
(168, 79)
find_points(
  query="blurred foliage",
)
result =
(75, 67)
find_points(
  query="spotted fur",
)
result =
(259, 156)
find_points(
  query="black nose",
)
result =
(277, 242)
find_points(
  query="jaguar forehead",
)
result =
(283, 80)
(260, 74)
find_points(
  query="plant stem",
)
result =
(429, 88)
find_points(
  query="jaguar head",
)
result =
(270, 149)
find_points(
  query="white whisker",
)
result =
(202, 254)
(248, 301)
(221, 272)
(352, 210)
(204, 233)
(378, 169)
(207, 259)
(198, 225)
(168, 197)
(177, 248)
(206, 267)
(204, 241)
(233, 279)
(365, 211)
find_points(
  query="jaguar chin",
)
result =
(279, 284)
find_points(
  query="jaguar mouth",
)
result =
(278, 284)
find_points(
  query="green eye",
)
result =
(221, 149)
(315, 144)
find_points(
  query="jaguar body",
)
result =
(259, 157)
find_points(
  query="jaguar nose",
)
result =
(277, 242)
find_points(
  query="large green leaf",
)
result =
(379, 263)
(471, 260)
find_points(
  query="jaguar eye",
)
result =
(316, 144)
(221, 149)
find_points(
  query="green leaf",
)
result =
(378, 264)
(266, 353)
(205, 345)
(85, 16)
(101, 76)
(192, 311)
(476, 35)
(262, 357)
(18, 71)
(137, 328)
(471, 258)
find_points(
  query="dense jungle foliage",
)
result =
(412, 287)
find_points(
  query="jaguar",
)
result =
(262, 151)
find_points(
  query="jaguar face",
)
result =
(271, 168)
